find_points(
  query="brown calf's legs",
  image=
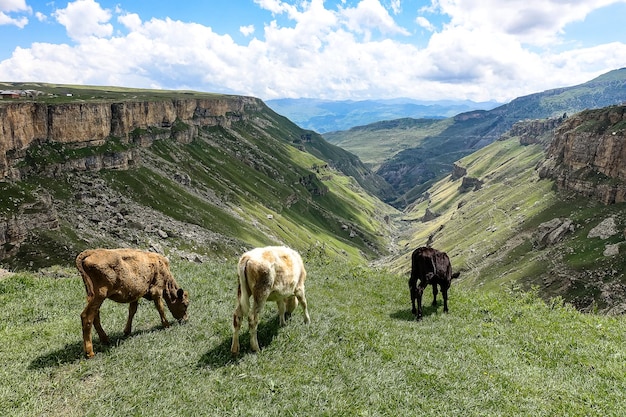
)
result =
(91, 317)
(132, 309)
(158, 303)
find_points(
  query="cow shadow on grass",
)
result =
(72, 352)
(67, 354)
(405, 314)
(220, 355)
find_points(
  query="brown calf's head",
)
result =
(177, 301)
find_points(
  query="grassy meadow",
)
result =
(497, 353)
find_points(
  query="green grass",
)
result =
(496, 353)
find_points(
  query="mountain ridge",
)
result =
(257, 178)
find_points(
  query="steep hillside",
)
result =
(423, 152)
(194, 174)
(503, 225)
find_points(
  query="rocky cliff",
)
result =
(26, 126)
(588, 154)
(535, 131)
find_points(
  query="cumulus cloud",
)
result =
(131, 21)
(20, 22)
(246, 30)
(8, 7)
(536, 22)
(84, 18)
(423, 22)
(370, 15)
(278, 7)
(11, 6)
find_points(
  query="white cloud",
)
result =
(396, 6)
(131, 21)
(20, 22)
(535, 22)
(84, 18)
(278, 7)
(423, 22)
(370, 15)
(246, 30)
(355, 52)
(14, 6)
(41, 17)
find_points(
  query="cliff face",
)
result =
(536, 131)
(588, 154)
(78, 125)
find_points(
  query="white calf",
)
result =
(273, 273)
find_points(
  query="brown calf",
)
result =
(124, 276)
(273, 273)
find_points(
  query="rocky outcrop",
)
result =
(588, 155)
(458, 172)
(604, 230)
(53, 139)
(537, 131)
(66, 127)
(470, 184)
(429, 215)
(314, 185)
(552, 232)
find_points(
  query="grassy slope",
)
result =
(379, 142)
(494, 354)
(489, 233)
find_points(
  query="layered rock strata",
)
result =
(588, 155)
(25, 125)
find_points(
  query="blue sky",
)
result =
(337, 49)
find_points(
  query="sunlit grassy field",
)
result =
(495, 354)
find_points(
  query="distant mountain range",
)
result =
(328, 116)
